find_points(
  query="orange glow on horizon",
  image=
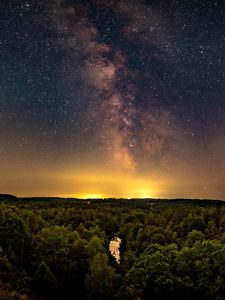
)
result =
(104, 182)
(94, 185)
(89, 196)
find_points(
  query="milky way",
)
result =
(110, 90)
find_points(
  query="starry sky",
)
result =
(106, 98)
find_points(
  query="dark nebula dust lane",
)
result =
(112, 98)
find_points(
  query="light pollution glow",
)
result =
(101, 184)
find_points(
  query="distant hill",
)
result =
(7, 197)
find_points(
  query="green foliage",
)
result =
(58, 249)
(101, 278)
(194, 236)
(44, 280)
(198, 224)
(94, 246)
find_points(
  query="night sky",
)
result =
(112, 98)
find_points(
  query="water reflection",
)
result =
(114, 248)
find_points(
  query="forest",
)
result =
(53, 249)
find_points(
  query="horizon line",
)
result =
(108, 198)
